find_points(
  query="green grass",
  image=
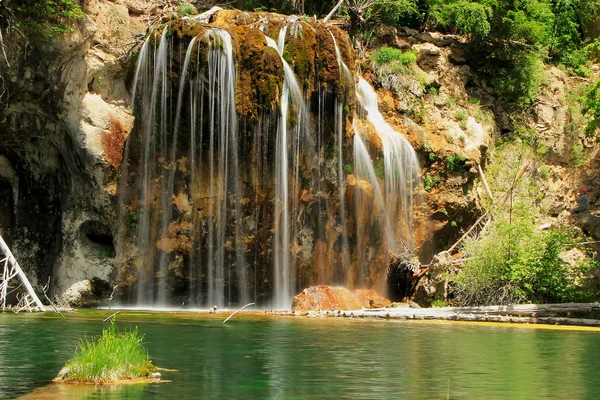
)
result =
(110, 357)
(388, 55)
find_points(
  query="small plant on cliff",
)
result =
(184, 9)
(348, 168)
(389, 55)
(109, 358)
(456, 163)
(431, 181)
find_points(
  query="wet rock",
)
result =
(77, 294)
(322, 298)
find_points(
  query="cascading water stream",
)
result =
(284, 282)
(401, 172)
(339, 131)
(224, 168)
(153, 127)
(166, 203)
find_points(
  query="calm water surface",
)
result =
(290, 358)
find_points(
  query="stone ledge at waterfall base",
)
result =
(322, 298)
(551, 314)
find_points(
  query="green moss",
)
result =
(260, 73)
(183, 28)
(300, 54)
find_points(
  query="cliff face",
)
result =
(73, 157)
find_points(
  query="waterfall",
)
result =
(401, 172)
(224, 175)
(209, 198)
(284, 273)
(150, 102)
(339, 131)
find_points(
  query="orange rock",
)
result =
(322, 298)
(372, 298)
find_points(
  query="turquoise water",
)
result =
(292, 358)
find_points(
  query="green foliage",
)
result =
(591, 108)
(468, 18)
(516, 263)
(184, 9)
(517, 76)
(438, 303)
(431, 181)
(432, 90)
(544, 172)
(104, 253)
(330, 149)
(387, 55)
(578, 155)
(111, 357)
(44, 17)
(348, 168)
(460, 115)
(456, 163)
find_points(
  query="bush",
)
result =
(431, 181)
(456, 163)
(43, 17)
(387, 55)
(184, 9)
(468, 18)
(516, 263)
(111, 357)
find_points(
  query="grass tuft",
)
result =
(111, 357)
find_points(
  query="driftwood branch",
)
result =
(333, 11)
(111, 297)
(235, 312)
(44, 289)
(485, 184)
(109, 317)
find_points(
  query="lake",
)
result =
(253, 357)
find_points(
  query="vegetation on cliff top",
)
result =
(40, 17)
(111, 357)
(508, 40)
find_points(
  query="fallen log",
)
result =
(522, 313)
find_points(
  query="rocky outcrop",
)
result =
(433, 284)
(322, 298)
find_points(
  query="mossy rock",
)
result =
(300, 53)
(260, 73)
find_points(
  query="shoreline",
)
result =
(574, 315)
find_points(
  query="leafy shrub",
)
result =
(348, 168)
(43, 17)
(456, 163)
(468, 18)
(591, 108)
(516, 263)
(431, 181)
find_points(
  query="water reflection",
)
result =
(292, 358)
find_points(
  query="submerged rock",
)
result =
(320, 298)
